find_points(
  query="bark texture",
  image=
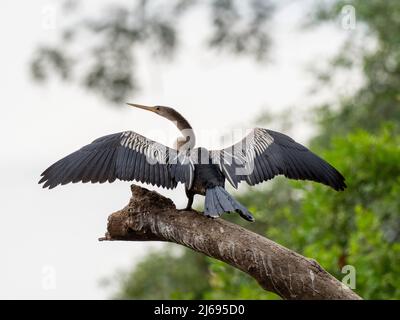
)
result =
(152, 217)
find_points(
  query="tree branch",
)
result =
(152, 217)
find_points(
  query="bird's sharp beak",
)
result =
(141, 107)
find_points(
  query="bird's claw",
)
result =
(187, 209)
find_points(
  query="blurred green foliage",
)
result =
(373, 47)
(360, 226)
(166, 274)
(360, 135)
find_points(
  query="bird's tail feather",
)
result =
(218, 201)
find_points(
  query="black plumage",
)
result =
(127, 156)
(273, 153)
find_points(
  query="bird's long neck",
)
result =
(188, 139)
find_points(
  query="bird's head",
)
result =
(166, 112)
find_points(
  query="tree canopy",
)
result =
(101, 52)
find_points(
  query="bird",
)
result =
(260, 156)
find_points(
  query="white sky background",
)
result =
(58, 229)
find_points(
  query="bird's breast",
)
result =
(206, 176)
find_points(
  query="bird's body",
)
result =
(128, 156)
(206, 176)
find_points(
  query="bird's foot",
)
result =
(187, 209)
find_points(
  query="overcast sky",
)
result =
(48, 239)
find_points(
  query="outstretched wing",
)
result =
(263, 154)
(125, 156)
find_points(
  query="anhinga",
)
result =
(127, 155)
